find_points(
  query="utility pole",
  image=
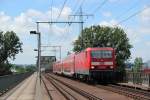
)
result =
(39, 51)
(81, 15)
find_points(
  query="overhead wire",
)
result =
(51, 19)
(100, 6)
(134, 14)
(63, 5)
(76, 5)
(75, 8)
(51, 10)
(65, 1)
(81, 4)
(129, 9)
(67, 27)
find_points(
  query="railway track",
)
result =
(50, 96)
(70, 92)
(129, 92)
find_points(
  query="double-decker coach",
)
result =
(68, 65)
(91, 63)
(57, 67)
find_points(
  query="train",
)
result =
(146, 67)
(89, 64)
(146, 70)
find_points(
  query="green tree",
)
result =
(20, 69)
(5, 69)
(10, 45)
(137, 64)
(102, 36)
(30, 68)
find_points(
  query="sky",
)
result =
(20, 16)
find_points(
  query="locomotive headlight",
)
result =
(92, 67)
(111, 67)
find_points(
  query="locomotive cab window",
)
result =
(101, 54)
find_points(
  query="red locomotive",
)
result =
(92, 63)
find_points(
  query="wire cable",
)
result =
(51, 10)
(136, 13)
(75, 8)
(61, 9)
(100, 6)
(81, 4)
(129, 9)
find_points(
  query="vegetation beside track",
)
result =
(10, 46)
(23, 68)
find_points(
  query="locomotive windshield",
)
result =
(101, 54)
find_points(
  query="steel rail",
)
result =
(65, 93)
(125, 91)
(80, 91)
(135, 90)
(50, 96)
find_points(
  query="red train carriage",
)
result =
(92, 63)
(57, 67)
(68, 65)
(146, 70)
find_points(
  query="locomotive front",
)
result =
(102, 63)
(102, 59)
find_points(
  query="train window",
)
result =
(101, 54)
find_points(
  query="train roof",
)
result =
(87, 49)
(68, 56)
(56, 62)
(99, 48)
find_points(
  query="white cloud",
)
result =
(3, 17)
(144, 19)
(133, 36)
(141, 45)
(147, 43)
(145, 15)
(27, 57)
(107, 14)
(140, 52)
(5, 21)
(66, 11)
(25, 22)
(111, 23)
